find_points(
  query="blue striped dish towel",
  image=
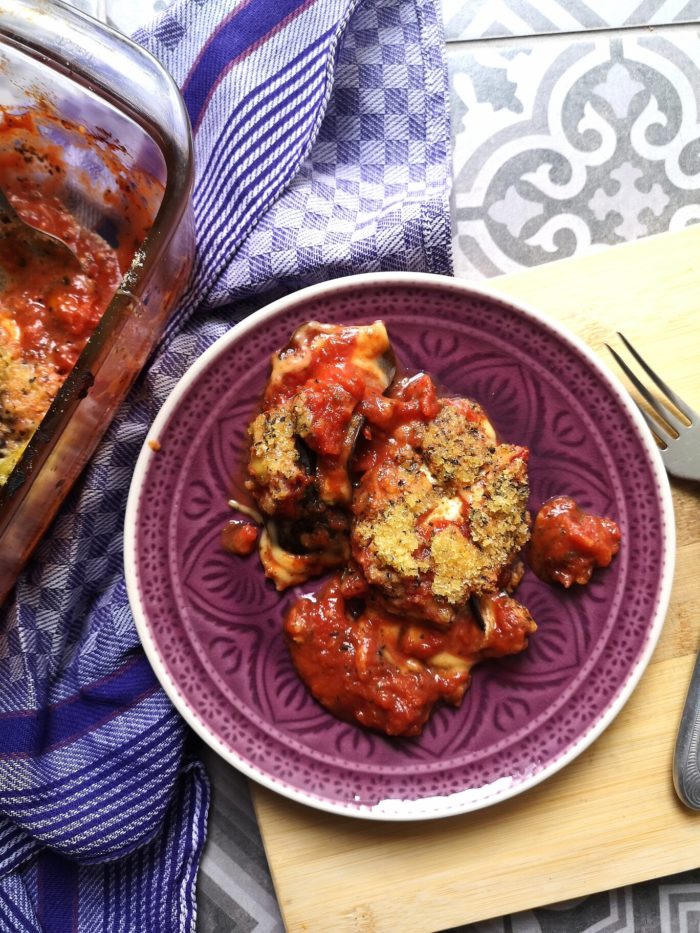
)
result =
(322, 148)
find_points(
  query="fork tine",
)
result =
(659, 434)
(663, 413)
(658, 381)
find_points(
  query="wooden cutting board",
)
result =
(609, 818)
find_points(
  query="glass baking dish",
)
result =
(118, 121)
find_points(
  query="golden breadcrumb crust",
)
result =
(447, 517)
(275, 466)
(26, 392)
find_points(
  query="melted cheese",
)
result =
(448, 510)
(246, 510)
(283, 568)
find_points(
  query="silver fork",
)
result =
(679, 443)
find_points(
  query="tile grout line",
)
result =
(453, 45)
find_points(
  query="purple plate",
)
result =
(211, 624)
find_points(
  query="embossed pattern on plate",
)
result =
(211, 623)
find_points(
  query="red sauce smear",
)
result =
(567, 544)
(395, 418)
(331, 364)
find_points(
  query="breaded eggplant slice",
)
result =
(302, 440)
(26, 391)
(441, 517)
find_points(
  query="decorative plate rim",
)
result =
(422, 808)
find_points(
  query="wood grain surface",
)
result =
(609, 818)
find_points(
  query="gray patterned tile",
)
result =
(487, 19)
(671, 905)
(564, 145)
(235, 891)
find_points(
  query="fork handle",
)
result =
(686, 760)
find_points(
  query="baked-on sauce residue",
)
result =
(567, 544)
(48, 311)
(47, 315)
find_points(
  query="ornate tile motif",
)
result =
(481, 19)
(564, 145)
(668, 906)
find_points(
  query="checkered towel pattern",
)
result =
(322, 148)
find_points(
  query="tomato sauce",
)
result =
(54, 312)
(239, 537)
(330, 363)
(371, 669)
(398, 417)
(301, 442)
(395, 418)
(368, 666)
(326, 370)
(49, 309)
(567, 544)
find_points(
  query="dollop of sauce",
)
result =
(567, 544)
(239, 537)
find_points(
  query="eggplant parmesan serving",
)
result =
(418, 512)
(302, 441)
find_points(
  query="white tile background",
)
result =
(568, 142)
